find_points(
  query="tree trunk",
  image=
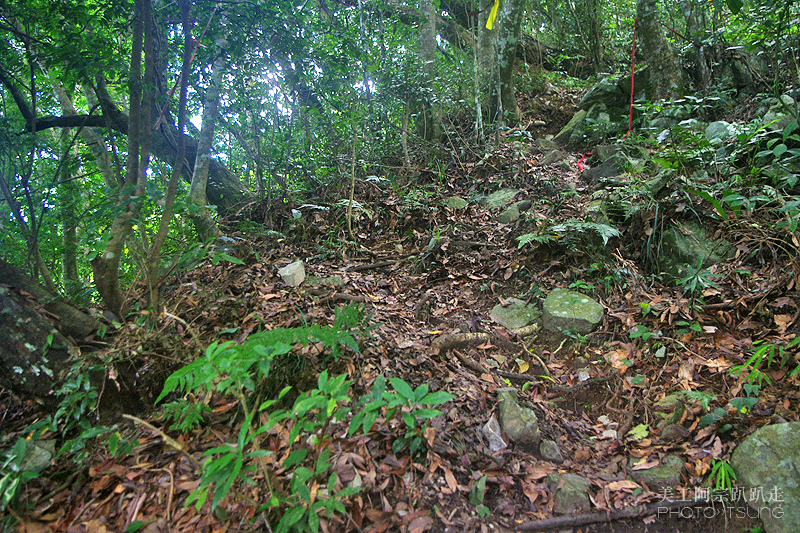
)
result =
(68, 198)
(429, 122)
(502, 100)
(105, 267)
(665, 77)
(694, 13)
(205, 225)
(40, 351)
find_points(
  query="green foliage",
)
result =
(763, 356)
(186, 415)
(641, 332)
(569, 230)
(404, 403)
(233, 369)
(722, 475)
(704, 399)
(13, 473)
(698, 278)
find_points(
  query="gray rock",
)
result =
(607, 169)
(569, 310)
(456, 202)
(511, 214)
(655, 184)
(500, 198)
(667, 475)
(293, 274)
(769, 459)
(550, 452)
(673, 433)
(688, 243)
(553, 157)
(605, 92)
(566, 132)
(720, 131)
(547, 144)
(491, 430)
(519, 423)
(515, 315)
(571, 493)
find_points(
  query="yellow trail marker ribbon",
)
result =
(492, 15)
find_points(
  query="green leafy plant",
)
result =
(228, 368)
(14, 472)
(581, 285)
(571, 228)
(404, 403)
(641, 332)
(764, 354)
(722, 475)
(704, 399)
(696, 279)
(186, 415)
(476, 495)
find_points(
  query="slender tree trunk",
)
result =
(204, 224)
(40, 267)
(665, 72)
(154, 255)
(68, 200)
(694, 13)
(106, 266)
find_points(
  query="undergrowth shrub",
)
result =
(232, 369)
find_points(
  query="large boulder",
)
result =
(688, 243)
(767, 465)
(572, 311)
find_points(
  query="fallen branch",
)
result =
(564, 522)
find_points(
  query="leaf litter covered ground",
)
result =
(425, 272)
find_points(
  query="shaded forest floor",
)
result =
(417, 291)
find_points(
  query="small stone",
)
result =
(456, 203)
(550, 452)
(571, 493)
(666, 476)
(673, 433)
(491, 430)
(519, 423)
(500, 198)
(293, 274)
(509, 215)
(553, 157)
(515, 315)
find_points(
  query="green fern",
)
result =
(227, 367)
(605, 231)
(553, 233)
(538, 238)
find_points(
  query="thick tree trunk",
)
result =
(39, 351)
(429, 122)
(501, 96)
(665, 71)
(35, 357)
